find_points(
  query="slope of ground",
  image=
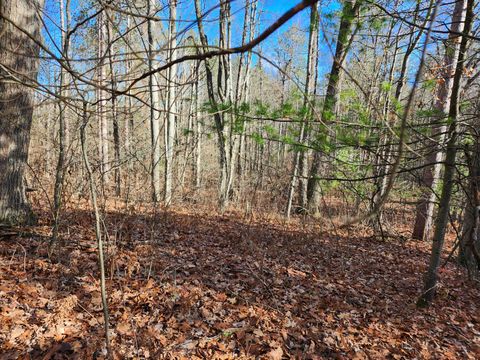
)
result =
(189, 286)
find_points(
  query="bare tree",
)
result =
(441, 221)
(300, 166)
(171, 108)
(349, 13)
(62, 128)
(101, 93)
(431, 174)
(155, 105)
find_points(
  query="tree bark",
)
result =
(114, 110)
(171, 110)
(19, 60)
(468, 254)
(62, 130)
(225, 92)
(197, 163)
(431, 174)
(218, 117)
(391, 117)
(242, 91)
(441, 220)
(98, 231)
(154, 92)
(301, 159)
(101, 96)
(128, 125)
(350, 11)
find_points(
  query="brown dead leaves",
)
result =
(199, 287)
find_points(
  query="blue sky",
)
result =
(269, 10)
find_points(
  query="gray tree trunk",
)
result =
(197, 163)
(425, 208)
(171, 103)
(128, 125)
(113, 109)
(101, 100)
(217, 116)
(98, 231)
(18, 56)
(62, 130)
(225, 91)
(243, 85)
(155, 105)
(350, 10)
(301, 159)
(309, 101)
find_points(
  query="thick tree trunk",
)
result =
(426, 204)
(19, 60)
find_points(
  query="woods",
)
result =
(239, 179)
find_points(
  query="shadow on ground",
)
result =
(188, 285)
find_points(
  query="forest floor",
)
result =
(187, 285)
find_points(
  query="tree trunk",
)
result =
(19, 54)
(197, 163)
(218, 117)
(62, 129)
(101, 96)
(426, 204)
(224, 82)
(468, 254)
(98, 231)
(309, 101)
(114, 110)
(350, 11)
(382, 158)
(242, 93)
(391, 117)
(441, 220)
(128, 125)
(154, 93)
(171, 103)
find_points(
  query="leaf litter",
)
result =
(186, 285)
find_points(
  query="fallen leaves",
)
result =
(200, 290)
(275, 354)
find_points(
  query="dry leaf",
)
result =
(275, 354)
